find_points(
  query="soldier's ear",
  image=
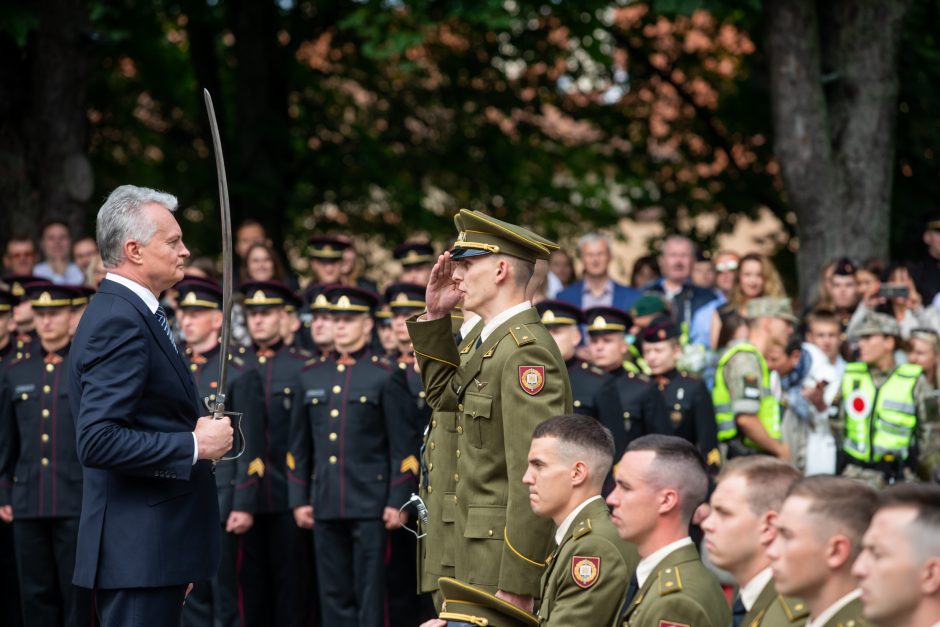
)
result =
(579, 473)
(768, 528)
(930, 577)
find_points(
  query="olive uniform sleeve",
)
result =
(527, 536)
(438, 360)
(676, 609)
(928, 431)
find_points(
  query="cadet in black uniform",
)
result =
(563, 320)
(215, 603)
(24, 336)
(345, 462)
(416, 259)
(687, 400)
(632, 406)
(404, 301)
(282, 572)
(7, 302)
(9, 585)
(38, 457)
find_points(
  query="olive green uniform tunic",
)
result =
(774, 610)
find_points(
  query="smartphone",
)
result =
(893, 290)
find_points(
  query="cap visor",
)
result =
(462, 253)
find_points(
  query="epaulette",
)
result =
(582, 530)
(21, 358)
(522, 335)
(311, 363)
(795, 609)
(597, 371)
(238, 361)
(670, 581)
(299, 353)
(381, 363)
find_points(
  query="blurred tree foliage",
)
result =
(383, 117)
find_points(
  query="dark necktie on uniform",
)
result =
(161, 318)
(737, 612)
(479, 342)
(632, 589)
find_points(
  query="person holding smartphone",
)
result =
(897, 297)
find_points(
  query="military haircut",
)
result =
(924, 499)
(768, 480)
(821, 316)
(845, 504)
(522, 270)
(677, 465)
(580, 437)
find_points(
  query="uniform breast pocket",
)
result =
(477, 411)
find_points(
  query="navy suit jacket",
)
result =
(624, 296)
(150, 517)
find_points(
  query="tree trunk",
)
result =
(17, 216)
(834, 87)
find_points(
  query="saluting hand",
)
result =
(442, 294)
(214, 437)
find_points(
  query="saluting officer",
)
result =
(631, 407)
(284, 578)
(687, 399)
(38, 458)
(345, 462)
(199, 311)
(563, 320)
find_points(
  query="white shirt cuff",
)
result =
(195, 449)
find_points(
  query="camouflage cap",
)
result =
(768, 307)
(877, 324)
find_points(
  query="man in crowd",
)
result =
(660, 482)
(584, 577)
(563, 320)
(927, 273)
(630, 406)
(596, 288)
(326, 256)
(514, 379)
(843, 289)
(7, 302)
(746, 410)
(739, 528)
(39, 468)
(84, 251)
(56, 244)
(346, 462)
(819, 535)
(899, 567)
(19, 257)
(282, 576)
(416, 259)
(222, 600)
(676, 262)
(686, 398)
(703, 271)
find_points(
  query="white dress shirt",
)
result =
(500, 318)
(833, 609)
(152, 303)
(649, 563)
(470, 320)
(562, 530)
(752, 589)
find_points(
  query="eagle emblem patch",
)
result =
(532, 379)
(585, 570)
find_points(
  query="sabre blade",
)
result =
(227, 270)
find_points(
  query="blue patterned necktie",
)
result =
(161, 318)
(738, 612)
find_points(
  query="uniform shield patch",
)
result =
(585, 570)
(532, 379)
(669, 623)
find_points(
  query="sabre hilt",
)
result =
(423, 516)
(217, 407)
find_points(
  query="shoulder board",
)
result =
(670, 581)
(582, 530)
(310, 363)
(795, 609)
(298, 353)
(522, 335)
(597, 371)
(22, 359)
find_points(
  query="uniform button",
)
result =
(456, 477)
(332, 459)
(459, 428)
(287, 391)
(577, 403)
(432, 445)
(44, 437)
(44, 461)
(430, 489)
(262, 360)
(459, 406)
(334, 413)
(421, 394)
(362, 399)
(626, 414)
(431, 466)
(380, 477)
(337, 389)
(315, 401)
(49, 367)
(45, 413)
(677, 406)
(341, 368)
(193, 367)
(212, 397)
(458, 453)
(434, 423)
(46, 389)
(24, 396)
(490, 533)
(333, 437)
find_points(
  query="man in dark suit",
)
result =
(150, 516)
(597, 289)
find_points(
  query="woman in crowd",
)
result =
(262, 264)
(906, 306)
(756, 278)
(924, 351)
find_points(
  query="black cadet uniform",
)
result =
(38, 459)
(687, 399)
(631, 407)
(24, 342)
(9, 585)
(347, 450)
(280, 554)
(405, 607)
(586, 380)
(216, 602)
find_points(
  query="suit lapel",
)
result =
(159, 337)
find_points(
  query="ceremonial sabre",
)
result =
(217, 407)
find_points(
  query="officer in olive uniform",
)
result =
(563, 320)
(199, 311)
(347, 462)
(416, 259)
(742, 390)
(38, 457)
(405, 300)
(687, 399)
(466, 606)
(632, 406)
(280, 564)
(898, 394)
(513, 379)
